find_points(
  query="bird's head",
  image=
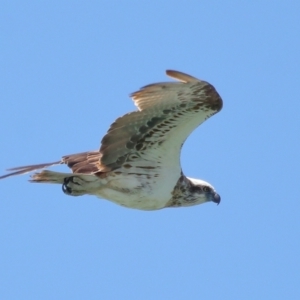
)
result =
(203, 192)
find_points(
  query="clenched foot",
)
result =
(73, 186)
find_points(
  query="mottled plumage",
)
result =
(138, 163)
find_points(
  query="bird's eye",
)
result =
(206, 189)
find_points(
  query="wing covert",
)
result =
(168, 113)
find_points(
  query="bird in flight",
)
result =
(138, 163)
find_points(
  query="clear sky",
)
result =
(67, 68)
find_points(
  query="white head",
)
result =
(203, 191)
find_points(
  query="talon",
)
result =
(65, 188)
(70, 184)
(66, 180)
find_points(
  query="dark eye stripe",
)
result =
(206, 189)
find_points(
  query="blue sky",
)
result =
(67, 68)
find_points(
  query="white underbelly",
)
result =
(140, 192)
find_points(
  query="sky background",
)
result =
(67, 68)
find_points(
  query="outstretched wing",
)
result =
(150, 138)
(153, 136)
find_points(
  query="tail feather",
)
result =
(47, 176)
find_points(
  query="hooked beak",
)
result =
(216, 198)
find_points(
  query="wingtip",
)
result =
(181, 76)
(27, 169)
(12, 174)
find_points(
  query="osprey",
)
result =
(138, 163)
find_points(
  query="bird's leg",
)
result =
(73, 186)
